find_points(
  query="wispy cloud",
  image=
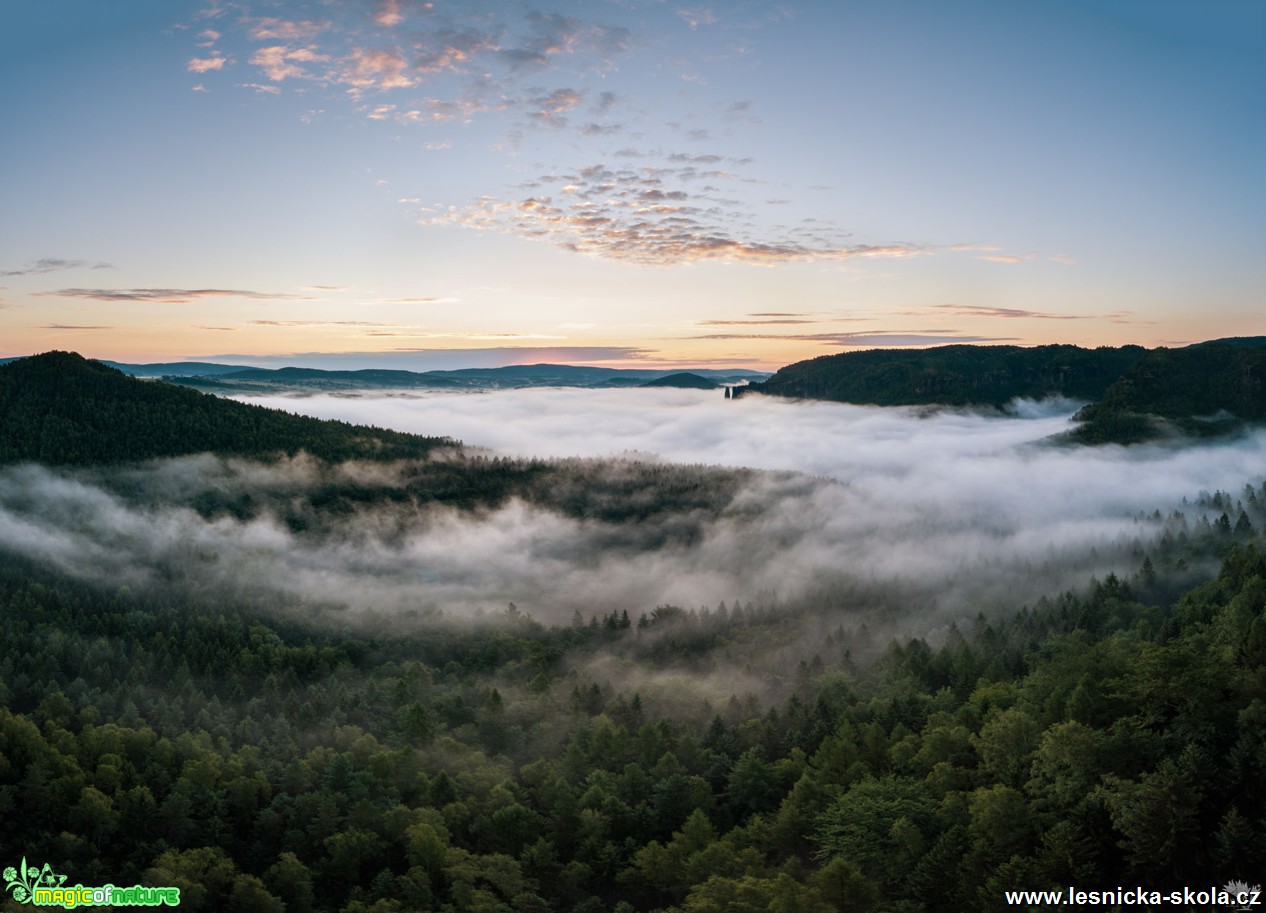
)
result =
(316, 323)
(168, 295)
(770, 321)
(972, 310)
(66, 326)
(551, 109)
(54, 264)
(650, 215)
(273, 29)
(872, 339)
(396, 47)
(280, 63)
(389, 15)
(206, 64)
(379, 69)
(418, 358)
(697, 16)
(423, 334)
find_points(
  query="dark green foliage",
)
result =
(59, 408)
(684, 379)
(1137, 395)
(1200, 390)
(957, 375)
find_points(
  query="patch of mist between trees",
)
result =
(927, 517)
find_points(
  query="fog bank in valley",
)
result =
(953, 511)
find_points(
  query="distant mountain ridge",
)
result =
(244, 379)
(225, 378)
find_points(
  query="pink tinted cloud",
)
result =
(366, 68)
(278, 62)
(388, 14)
(205, 64)
(270, 29)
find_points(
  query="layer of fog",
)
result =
(952, 511)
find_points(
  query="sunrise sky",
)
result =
(629, 183)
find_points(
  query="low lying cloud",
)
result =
(954, 511)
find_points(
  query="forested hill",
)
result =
(60, 408)
(958, 375)
(1199, 390)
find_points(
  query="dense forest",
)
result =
(60, 408)
(1135, 394)
(265, 756)
(1198, 391)
(955, 375)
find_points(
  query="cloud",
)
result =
(443, 358)
(749, 323)
(972, 310)
(873, 339)
(450, 49)
(936, 517)
(205, 64)
(636, 215)
(54, 264)
(379, 69)
(388, 15)
(315, 323)
(168, 295)
(550, 109)
(487, 57)
(697, 16)
(271, 29)
(278, 62)
(66, 326)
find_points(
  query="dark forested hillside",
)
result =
(59, 408)
(1198, 390)
(954, 375)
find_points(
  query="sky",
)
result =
(625, 183)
